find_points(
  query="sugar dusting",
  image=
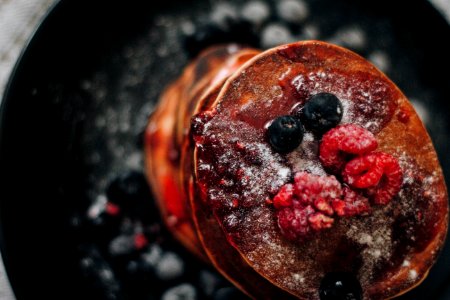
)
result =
(272, 255)
(365, 104)
(374, 234)
(305, 158)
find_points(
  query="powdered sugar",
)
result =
(375, 235)
(305, 157)
(364, 103)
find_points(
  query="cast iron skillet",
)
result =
(42, 170)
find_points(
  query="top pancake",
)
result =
(389, 251)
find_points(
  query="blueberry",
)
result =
(322, 112)
(285, 133)
(340, 286)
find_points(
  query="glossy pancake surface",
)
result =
(390, 250)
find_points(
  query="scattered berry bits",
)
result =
(343, 142)
(322, 112)
(403, 115)
(112, 209)
(285, 133)
(140, 241)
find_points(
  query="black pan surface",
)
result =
(78, 100)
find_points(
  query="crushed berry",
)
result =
(319, 221)
(324, 206)
(403, 115)
(343, 141)
(310, 203)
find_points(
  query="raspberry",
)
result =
(352, 205)
(390, 183)
(293, 221)
(363, 171)
(378, 172)
(309, 204)
(284, 197)
(319, 221)
(309, 188)
(304, 206)
(324, 206)
(342, 141)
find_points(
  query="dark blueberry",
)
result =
(322, 112)
(340, 286)
(285, 133)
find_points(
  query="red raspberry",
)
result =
(390, 183)
(284, 197)
(311, 189)
(319, 221)
(324, 206)
(308, 205)
(342, 141)
(378, 172)
(305, 206)
(352, 205)
(293, 221)
(363, 171)
(299, 222)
